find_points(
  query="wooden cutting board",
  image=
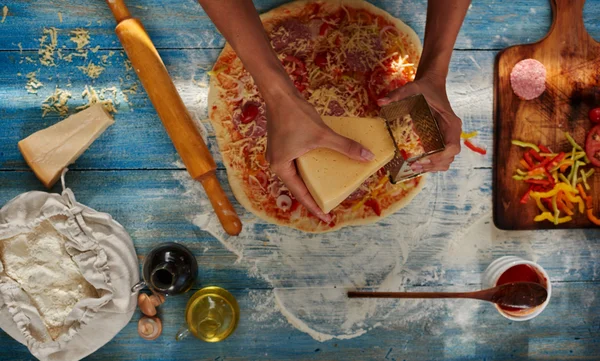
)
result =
(572, 61)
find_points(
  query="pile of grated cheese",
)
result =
(33, 84)
(92, 70)
(94, 97)
(46, 51)
(57, 102)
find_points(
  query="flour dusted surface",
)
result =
(38, 261)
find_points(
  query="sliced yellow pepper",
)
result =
(538, 201)
(469, 135)
(547, 216)
(553, 192)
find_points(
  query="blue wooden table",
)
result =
(288, 284)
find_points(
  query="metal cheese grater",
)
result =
(424, 124)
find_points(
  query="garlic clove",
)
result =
(149, 328)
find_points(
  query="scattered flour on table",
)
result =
(447, 227)
(443, 240)
(311, 273)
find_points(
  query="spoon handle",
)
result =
(368, 294)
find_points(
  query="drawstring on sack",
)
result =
(62, 178)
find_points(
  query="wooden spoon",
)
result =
(517, 295)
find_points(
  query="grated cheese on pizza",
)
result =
(341, 59)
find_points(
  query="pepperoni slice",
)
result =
(528, 79)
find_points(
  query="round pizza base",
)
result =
(237, 185)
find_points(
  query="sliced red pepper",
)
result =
(526, 196)
(554, 162)
(323, 29)
(321, 59)
(528, 159)
(550, 177)
(544, 163)
(543, 182)
(536, 155)
(299, 86)
(475, 148)
(293, 59)
(544, 149)
(374, 205)
(404, 154)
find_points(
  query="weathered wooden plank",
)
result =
(183, 24)
(466, 330)
(138, 141)
(443, 237)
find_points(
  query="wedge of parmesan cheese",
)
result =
(50, 150)
(331, 176)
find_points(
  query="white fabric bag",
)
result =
(92, 280)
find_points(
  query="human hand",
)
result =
(294, 128)
(434, 90)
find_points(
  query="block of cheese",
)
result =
(50, 150)
(331, 176)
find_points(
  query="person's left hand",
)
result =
(434, 90)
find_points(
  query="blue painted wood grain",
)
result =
(131, 172)
(563, 332)
(183, 24)
(138, 140)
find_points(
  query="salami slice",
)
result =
(528, 79)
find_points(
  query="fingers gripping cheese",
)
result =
(331, 176)
(50, 150)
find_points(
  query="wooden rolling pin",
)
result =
(170, 108)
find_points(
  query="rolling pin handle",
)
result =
(223, 208)
(119, 9)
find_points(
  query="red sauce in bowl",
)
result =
(520, 273)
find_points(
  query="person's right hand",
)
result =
(294, 128)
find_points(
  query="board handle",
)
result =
(567, 21)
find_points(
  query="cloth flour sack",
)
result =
(66, 273)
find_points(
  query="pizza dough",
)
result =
(377, 53)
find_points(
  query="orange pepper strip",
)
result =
(581, 191)
(588, 199)
(565, 199)
(592, 217)
(562, 206)
(525, 165)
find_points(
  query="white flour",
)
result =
(40, 258)
(443, 240)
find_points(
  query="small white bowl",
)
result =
(498, 267)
